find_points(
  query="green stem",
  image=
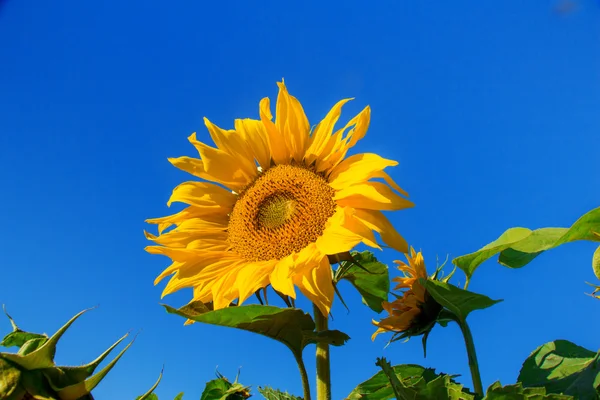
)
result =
(473, 364)
(323, 367)
(303, 376)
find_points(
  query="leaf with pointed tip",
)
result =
(418, 381)
(369, 276)
(459, 301)
(273, 394)
(222, 389)
(10, 381)
(74, 392)
(149, 395)
(518, 246)
(517, 392)
(290, 326)
(563, 367)
(42, 357)
(179, 396)
(18, 337)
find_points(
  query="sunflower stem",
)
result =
(472, 355)
(303, 376)
(323, 364)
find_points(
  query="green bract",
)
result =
(32, 374)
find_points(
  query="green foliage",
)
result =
(273, 394)
(411, 382)
(32, 373)
(369, 276)
(517, 392)
(149, 395)
(222, 389)
(518, 246)
(563, 367)
(596, 262)
(290, 326)
(460, 302)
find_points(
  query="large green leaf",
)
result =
(273, 394)
(518, 246)
(415, 382)
(596, 262)
(517, 392)
(459, 301)
(369, 276)
(563, 367)
(290, 326)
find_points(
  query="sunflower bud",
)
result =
(32, 374)
(414, 312)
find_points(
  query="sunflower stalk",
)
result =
(323, 361)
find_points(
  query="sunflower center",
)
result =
(281, 212)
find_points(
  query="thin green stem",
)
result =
(303, 376)
(473, 364)
(323, 366)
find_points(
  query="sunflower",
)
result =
(415, 311)
(276, 199)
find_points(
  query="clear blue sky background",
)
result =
(491, 107)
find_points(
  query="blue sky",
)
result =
(490, 108)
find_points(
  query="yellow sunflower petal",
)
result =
(291, 122)
(279, 151)
(255, 135)
(321, 138)
(234, 144)
(281, 277)
(357, 226)
(317, 286)
(371, 196)
(202, 194)
(358, 168)
(336, 238)
(378, 222)
(253, 277)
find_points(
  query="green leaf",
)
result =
(37, 386)
(369, 276)
(563, 367)
(460, 302)
(273, 394)
(10, 381)
(596, 262)
(18, 337)
(516, 392)
(179, 396)
(222, 389)
(31, 345)
(149, 395)
(418, 383)
(290, 326)
(518, 246)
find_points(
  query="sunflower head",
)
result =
(274, 200)
(414, 312)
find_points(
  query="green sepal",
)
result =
(10, 381)
(149, 395)
(222, 389)
(62, 377)
(43, 356)
(77, 390)
(18, 337)
(37, 386)
(274, 394)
